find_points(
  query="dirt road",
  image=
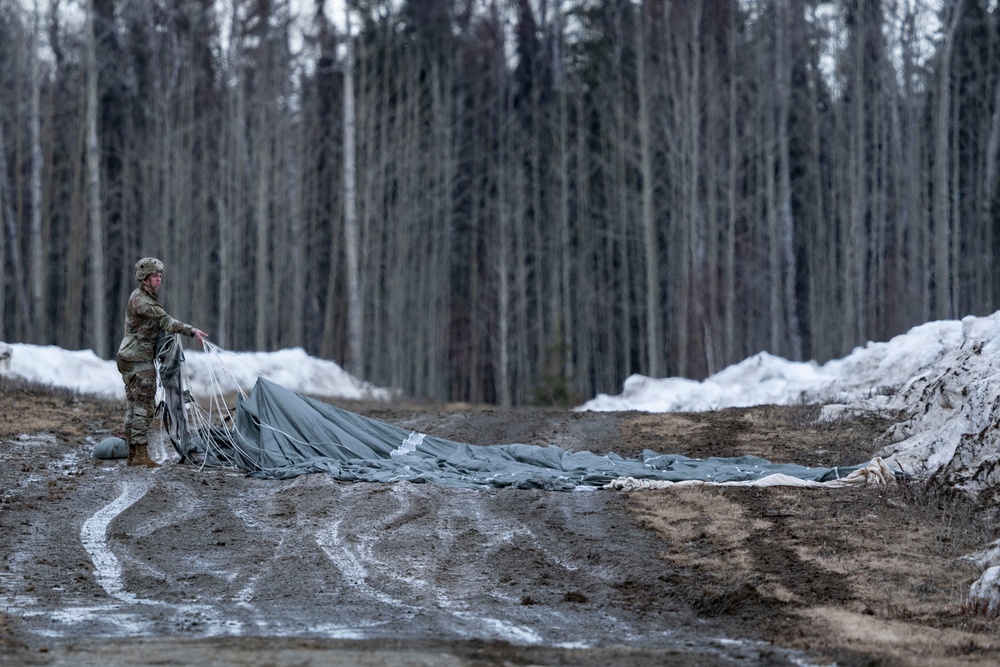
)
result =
(104, 564)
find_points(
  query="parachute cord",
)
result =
(219, 365)
(205, 426)
(217, 352)
(293, 438)
(204, 420)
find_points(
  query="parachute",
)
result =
(169, 361)
(277, 433)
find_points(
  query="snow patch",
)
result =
(205, 373)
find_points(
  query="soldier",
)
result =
(144, 320)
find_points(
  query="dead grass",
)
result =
(858, 569)
(30, 407)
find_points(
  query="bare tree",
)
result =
(788, 272)
(355, 355)
(9, 235)
(653, 307)
(97, 324)
(36, 262)
(942, 220)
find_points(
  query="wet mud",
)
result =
(105, 564)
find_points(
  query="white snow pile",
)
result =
(291, 368)
(953, 429)
(942, 376)
(758, 380)
(984, 594)
(205, 373)
(866, 379)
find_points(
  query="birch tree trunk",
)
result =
(37, 266)
(654, 329)
(915, 268)
(787, 273)
(563, 311)
(444, 104)
(693, 263)
(619, 329)
(263, 250)
(231, 161)
(943, 306)
(822, 237)
(991, 186)
(8, 233)
(355, 355)
(770, 168)
(858, 194)
(729, 230)
(97, 324)
(504, 256)
(296, 237)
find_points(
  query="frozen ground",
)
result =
(104, 564)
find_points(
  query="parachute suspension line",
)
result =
(218, 414)
(217, 353)
(292, 437)
(211, 422)
(201, 421)
(220, 357)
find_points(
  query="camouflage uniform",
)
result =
(144, 320)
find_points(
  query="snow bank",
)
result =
(865, 379)
(758, 380)
(204, 373)
(291, 368)
(79, 370)
(954, 413)
(944, 377)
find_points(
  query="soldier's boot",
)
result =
(141, 458)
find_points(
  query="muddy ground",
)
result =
(103, 564)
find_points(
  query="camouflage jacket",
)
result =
(144, 320)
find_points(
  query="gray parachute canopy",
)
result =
(279, 434)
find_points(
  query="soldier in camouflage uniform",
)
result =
(144, 320)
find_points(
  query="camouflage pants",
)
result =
(140, 399)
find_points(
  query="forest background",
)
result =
(506, 201)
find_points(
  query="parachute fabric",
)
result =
(277, 433)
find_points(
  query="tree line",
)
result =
(512, 201)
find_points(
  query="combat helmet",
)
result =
(146, 267)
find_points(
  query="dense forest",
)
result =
(507, 201)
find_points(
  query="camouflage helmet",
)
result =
(146, 267)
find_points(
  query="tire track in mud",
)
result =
(373, 570)
(515, 566)
(138, 518)
(31, 471)
(94, 536)
(180, 553)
